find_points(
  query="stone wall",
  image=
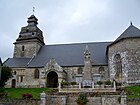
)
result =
(93, 99)
(133, 101)
(72, 75)
(30, 49)
(56, 100)
(8, 101)
(129, 51)
(28, 78)
(71, 100)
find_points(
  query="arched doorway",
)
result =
(52, 79)
(13, 83)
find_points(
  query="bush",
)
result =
(3, 93)
(73, 83)
(118, 84)
(82, 99)
(99, 82)
(65, 83)
(27, 96)
(108, 82)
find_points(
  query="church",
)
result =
(35, 64)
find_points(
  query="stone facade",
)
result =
(121, 62)
(129, 50)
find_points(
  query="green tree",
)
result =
(6, 73)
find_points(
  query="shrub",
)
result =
(118, 83)
(73, 83)
(82, 99)
(65, 83)
(3, 93)
(27, 96)
(108, 82)
(119, 99)
(99, 82)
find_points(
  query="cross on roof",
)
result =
(33, 10)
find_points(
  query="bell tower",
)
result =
(29, 41)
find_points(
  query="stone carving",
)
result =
(87, 79)
(53, 65)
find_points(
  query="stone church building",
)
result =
(35, 64)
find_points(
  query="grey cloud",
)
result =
(69, 20)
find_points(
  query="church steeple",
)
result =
(30, 39)
(32, 20)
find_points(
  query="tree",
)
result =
(6, 73)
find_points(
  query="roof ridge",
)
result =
(79, 43)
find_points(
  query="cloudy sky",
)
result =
(67, 21)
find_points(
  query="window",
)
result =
(15, 73)
(80, 70)
(118, 67)
(36, 73)
(20, 78)
(27, 30)
(101, 72)
(23, 48)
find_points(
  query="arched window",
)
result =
(118, 68)
(80, 70)
(36, 73)
(102, 72)
(23, 48)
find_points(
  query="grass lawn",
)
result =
(17, 92)
(133, 91)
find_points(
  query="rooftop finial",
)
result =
(33, 10)
(131, 23)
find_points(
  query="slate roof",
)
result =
(130, 32)
(16, 62)
(64, 54)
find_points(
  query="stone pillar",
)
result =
(93, 85)
(124, 99)
(43, 98)
(79, 85)
(114, 84)
(59, 86)
(103, 100)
